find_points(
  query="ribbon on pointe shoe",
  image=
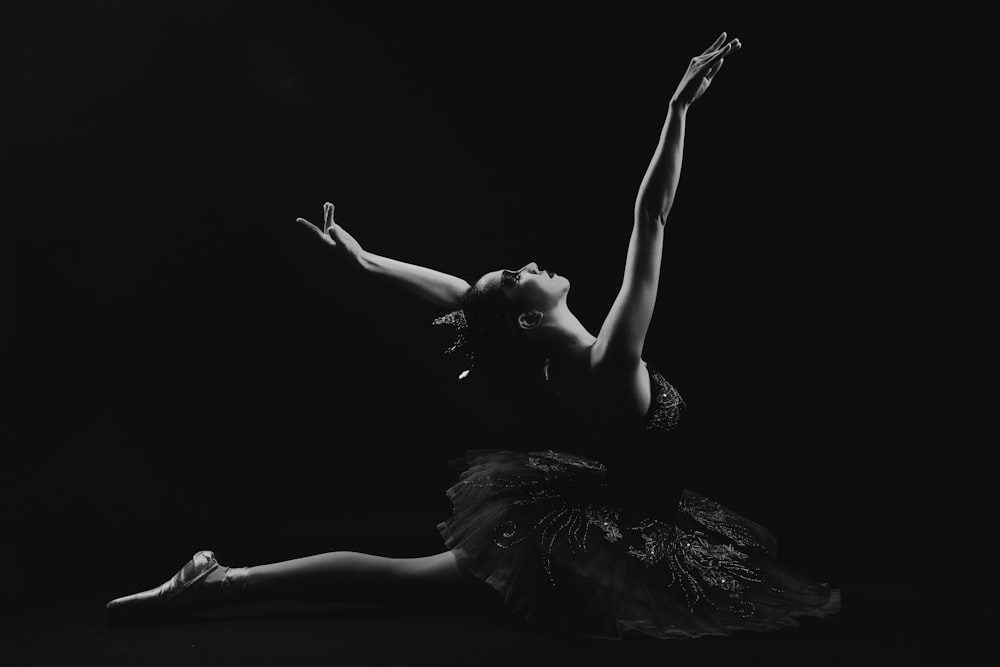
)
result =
(234, 584)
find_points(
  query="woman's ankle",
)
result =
(234, 584)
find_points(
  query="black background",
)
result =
(190, 369)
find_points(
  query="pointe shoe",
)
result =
(186, 592)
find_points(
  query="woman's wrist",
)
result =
(679, 106)
(365, 260)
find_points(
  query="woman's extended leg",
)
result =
(349, 576)
(434, 582)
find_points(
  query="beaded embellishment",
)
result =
(667, 404)
(695, 563)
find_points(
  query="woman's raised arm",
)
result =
(623, 333)
(433, 286)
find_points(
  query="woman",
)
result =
(599, 546)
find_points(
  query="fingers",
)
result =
(715, 44)
(731, 47)
(310, 225)
(710, 72)
(327, 216)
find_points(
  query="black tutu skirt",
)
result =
(546, 531)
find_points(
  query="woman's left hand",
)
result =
(703, 69)
(336, 236)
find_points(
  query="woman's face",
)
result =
(530, 288)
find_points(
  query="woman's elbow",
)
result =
(652, 217)
(456, 294)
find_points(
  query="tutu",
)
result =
(568, 549)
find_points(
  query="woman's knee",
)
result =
(438, 569)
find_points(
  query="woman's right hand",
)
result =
(702, 69)
(334, 235)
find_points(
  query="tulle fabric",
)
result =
(544, 529)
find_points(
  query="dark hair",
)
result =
(500, 349)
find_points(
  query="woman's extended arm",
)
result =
(436, 287)
(623, 333)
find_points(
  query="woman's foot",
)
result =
(201, 584)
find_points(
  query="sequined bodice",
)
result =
(665, 404)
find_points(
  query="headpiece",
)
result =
(460, 344)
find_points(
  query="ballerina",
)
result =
(603, 545)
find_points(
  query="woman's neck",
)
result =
(567, 338)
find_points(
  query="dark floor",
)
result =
(75, 632)
(898, 613)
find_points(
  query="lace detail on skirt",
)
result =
(696, 564)
(707, 571)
